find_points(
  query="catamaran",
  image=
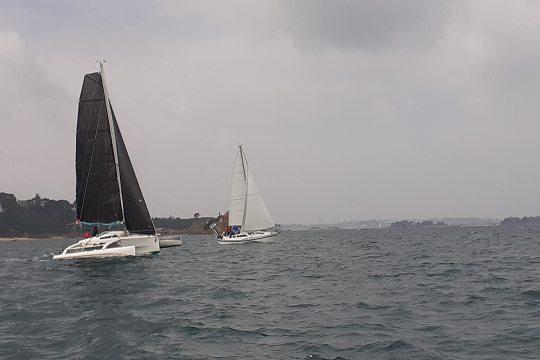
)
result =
(249, 220)
(107, 192)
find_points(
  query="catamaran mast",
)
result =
(113, 137)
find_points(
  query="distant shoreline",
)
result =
(27, 238)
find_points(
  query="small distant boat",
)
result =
(249, 220)
(108, 192)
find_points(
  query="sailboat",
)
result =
(249, 220)
(107, 192)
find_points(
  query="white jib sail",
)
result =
(257, 216)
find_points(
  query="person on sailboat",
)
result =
(87, 235)
(95, 231)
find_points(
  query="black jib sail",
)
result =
(136, 213)
(99, 196)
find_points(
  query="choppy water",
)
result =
(436, 293)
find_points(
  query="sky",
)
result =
(347, 110)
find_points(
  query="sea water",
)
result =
(424, 293)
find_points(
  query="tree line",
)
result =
(531, 220)
(37, 217)
(41, 218)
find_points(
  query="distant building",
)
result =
(196, 215)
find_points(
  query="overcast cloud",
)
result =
(347, 110)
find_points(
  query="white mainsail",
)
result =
(246, 205)
(237, 198)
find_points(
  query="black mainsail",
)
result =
(105, 194)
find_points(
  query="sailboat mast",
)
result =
(244, 167)
(113, 136)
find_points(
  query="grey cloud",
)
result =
(34, 122)
(371, 25)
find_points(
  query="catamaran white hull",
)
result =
(112, 243)
(243, 238)
(170, 241)
(122, 251)
(144, 244)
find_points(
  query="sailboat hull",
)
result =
(244, 238)
(112, 243)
